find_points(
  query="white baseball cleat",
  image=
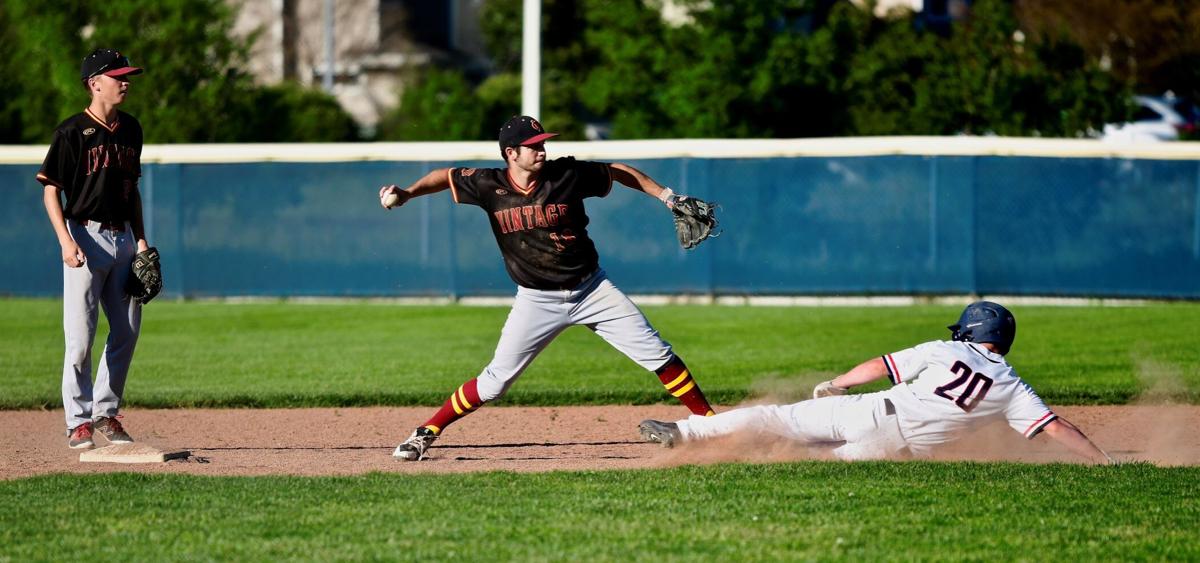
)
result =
(413, 449)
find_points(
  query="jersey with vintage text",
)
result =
(96, 165)
(943, 388)
(541, 230)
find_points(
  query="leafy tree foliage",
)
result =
(500, 96)
(1154, 44)
(290, 113)
(192, 91)
(39, 96)
(982, 78)
(798, 68)
(439, 106)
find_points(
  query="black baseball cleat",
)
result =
(413, 449)
(665, 433)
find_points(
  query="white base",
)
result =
(131, 453)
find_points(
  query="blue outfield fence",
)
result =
(797, 220)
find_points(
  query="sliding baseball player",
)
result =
(940, 391)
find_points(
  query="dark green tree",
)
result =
(790, 68)
(193, 89)
(290, 113)
(1153, 44)
(500, 96)
(41, 67)
(985, 77)
(624, 84)
(438, 106)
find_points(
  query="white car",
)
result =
(1156, 119)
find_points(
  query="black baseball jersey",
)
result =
(542, 231)
(97, 166)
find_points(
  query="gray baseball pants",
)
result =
(100, 281)
(537, 316)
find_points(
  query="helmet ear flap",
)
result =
(956, 333)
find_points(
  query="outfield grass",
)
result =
(287, 354)
(808, 510)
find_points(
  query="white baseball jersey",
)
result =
(944, 388)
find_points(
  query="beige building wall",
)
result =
(264, 17)
(372, 48)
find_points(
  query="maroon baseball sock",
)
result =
(462, 401)
(680, 383)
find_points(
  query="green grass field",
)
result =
(281, 354)
(799, 511)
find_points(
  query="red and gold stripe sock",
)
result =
(680, 383)
(462, 401)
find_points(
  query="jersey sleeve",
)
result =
(595, 178)
(137, 161)
(906, 364)
(464, 185)
(61, 162)
(1026, 413)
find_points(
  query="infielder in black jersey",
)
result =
(538, 218)
(94, 162)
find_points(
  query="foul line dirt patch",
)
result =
(360, 440)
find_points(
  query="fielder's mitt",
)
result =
(146, 280)
(695, 220)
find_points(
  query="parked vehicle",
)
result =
(1158, 118)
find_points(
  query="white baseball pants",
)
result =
(862, 422)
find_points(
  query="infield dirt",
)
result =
(359, 440)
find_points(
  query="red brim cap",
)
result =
(123, 71)
(538, 138)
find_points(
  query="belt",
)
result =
(115, 227)
(580, 282)
(888, 408)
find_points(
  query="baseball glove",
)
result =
(695, 220)
(828, 389)
(146, 280)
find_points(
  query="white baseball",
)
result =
(390, 200)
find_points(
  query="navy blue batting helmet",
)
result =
(984, 321)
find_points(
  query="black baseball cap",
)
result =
(522, 130)
(107, 62)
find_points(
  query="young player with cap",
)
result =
(94, 162)
(537, 215)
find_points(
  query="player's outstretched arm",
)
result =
(431, 183)
(1068, 435)
(695, 219)
(865, 372)
(636, 179)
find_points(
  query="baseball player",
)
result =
(940, 390)
(94, 161)
(537, 214)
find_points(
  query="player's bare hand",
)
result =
(72, 255)
(392, 196)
